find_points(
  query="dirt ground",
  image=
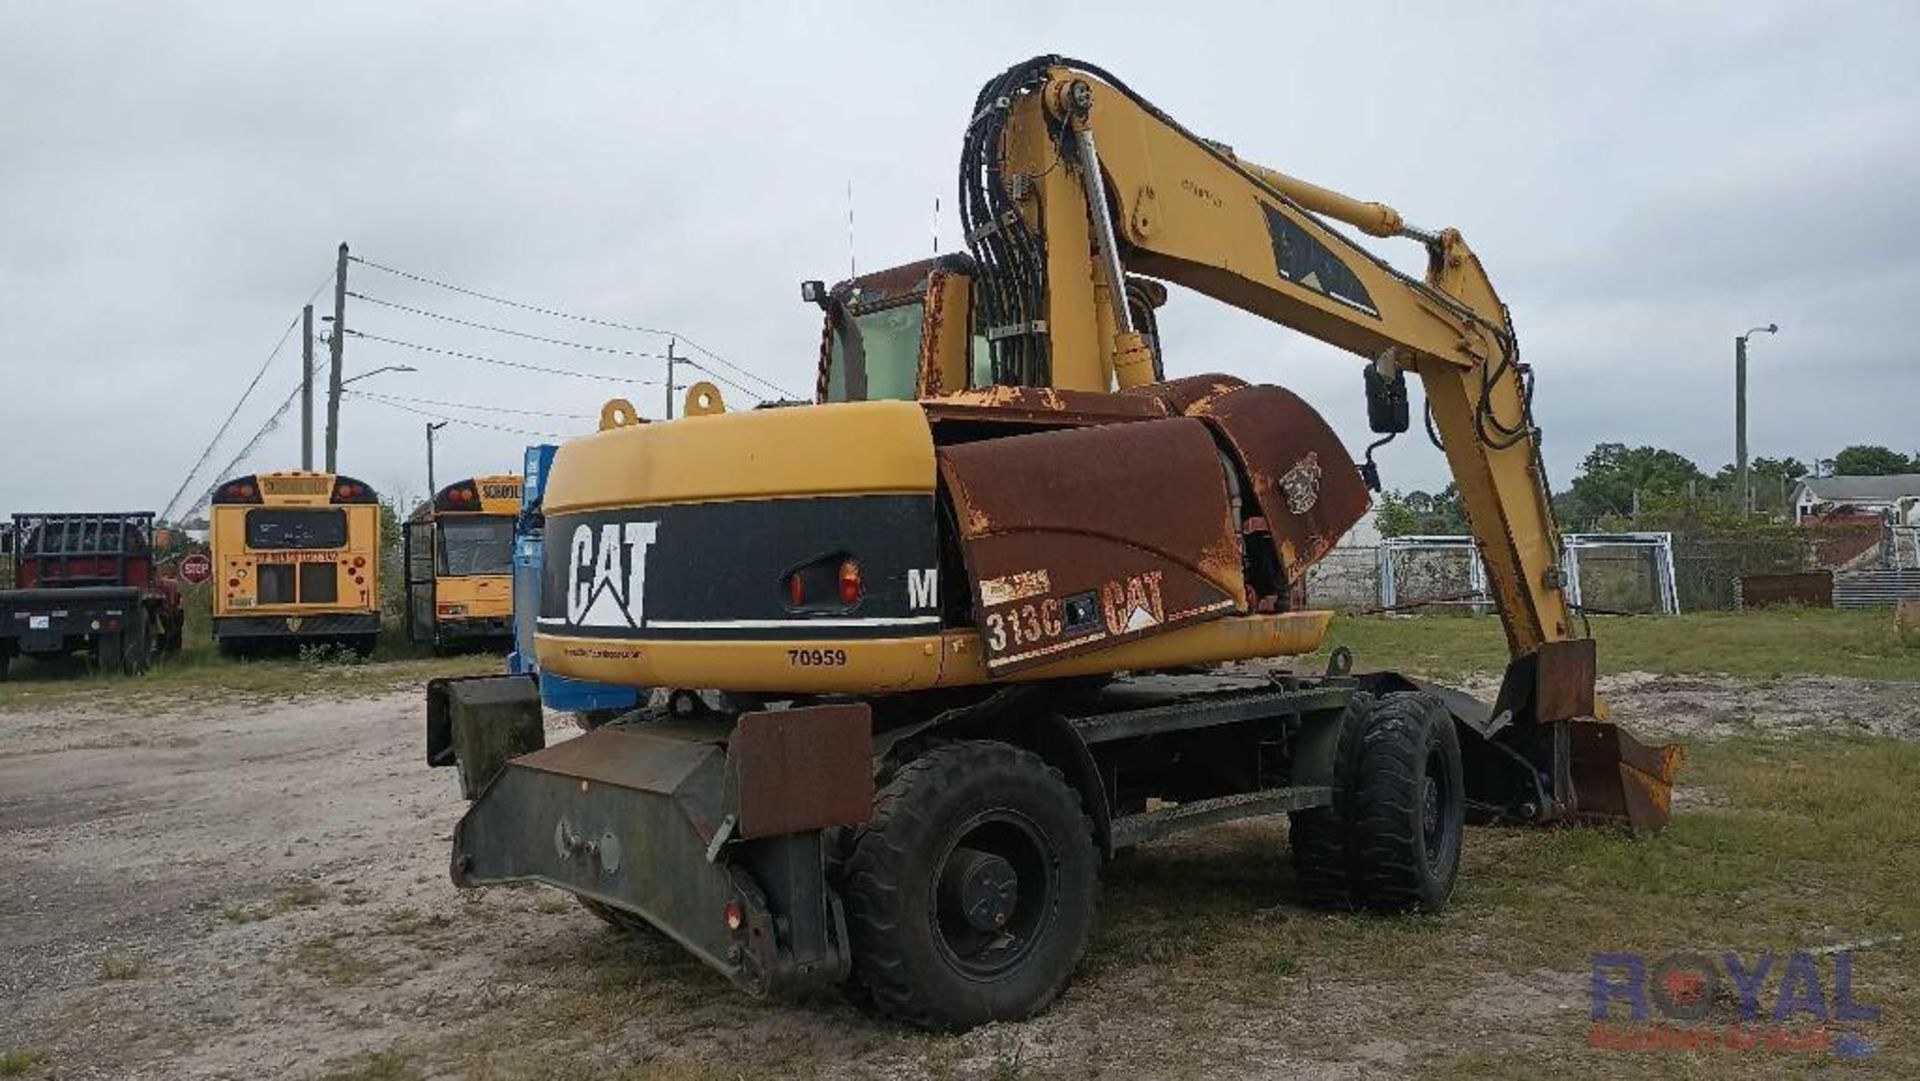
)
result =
(234, 889)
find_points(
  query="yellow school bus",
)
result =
(459, 560)
(296, 559)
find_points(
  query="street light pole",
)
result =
(1744, 495)
(432, 427)
(337, 390)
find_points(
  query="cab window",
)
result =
(476, 546)
(875, 355)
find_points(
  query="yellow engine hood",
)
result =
(854, 447)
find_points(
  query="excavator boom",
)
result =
(1071, 181)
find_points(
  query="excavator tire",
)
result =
(1409, 806)
(1319, 837)
(970, 893)
(621, 920)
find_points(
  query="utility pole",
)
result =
(306, 388)
(337, 345)
(432, 427)
(1743, 496)
(670, 363)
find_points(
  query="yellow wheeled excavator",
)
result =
(935, 645)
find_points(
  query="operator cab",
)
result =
(909, 332)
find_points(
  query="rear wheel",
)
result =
(620, 919)
(1319, 836)
(970, 894)
(174, 625)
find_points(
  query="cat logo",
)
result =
(293, 624)
(607, 576)
(1302, 484)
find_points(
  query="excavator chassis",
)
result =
(725, 829)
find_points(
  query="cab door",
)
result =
(418, 559)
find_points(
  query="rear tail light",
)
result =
(830, 583)
(734, 915)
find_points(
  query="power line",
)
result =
(558, 314)
(225, 425)
(505, 330)
(271, 423)
(696, 364)
(502, 363)
(450, 420)
(470, 405)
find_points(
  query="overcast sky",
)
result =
(1641, 184)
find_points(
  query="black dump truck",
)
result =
(87, 583)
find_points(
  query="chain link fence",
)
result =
(1626, 578)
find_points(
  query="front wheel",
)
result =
(1409, 806)
(971, 892)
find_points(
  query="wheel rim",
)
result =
(1433, 808)
(993, 893)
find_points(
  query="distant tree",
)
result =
(1616, 480)
(1404, 514)
(1872, 461)
(1772, 480)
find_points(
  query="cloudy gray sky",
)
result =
(1642, 184)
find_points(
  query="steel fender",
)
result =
(1079, 540)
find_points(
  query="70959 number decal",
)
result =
(817, 658)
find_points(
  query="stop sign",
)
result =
(196, 568)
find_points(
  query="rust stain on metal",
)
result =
(803, 769)
(1127, 525)
(1617, 778)
(1563, 680)
(1041, 405)
(1813, 589)
(933, 330)
(1306, 485)
(1183, 397)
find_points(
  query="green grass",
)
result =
(1753, 645)
(121, 967)
(199, 668)
(1804, 843)
(390, 1065)
(326, 960)
(17, 1063)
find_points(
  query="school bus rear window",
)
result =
(296, 527)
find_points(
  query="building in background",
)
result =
(1894, 497)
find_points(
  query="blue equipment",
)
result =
(529, 545)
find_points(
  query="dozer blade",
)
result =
(1616, 778)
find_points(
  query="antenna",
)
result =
(936, 225)
(853, 271)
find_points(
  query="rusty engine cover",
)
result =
(1304, 481)
(1077, 540)
(1308, 488)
